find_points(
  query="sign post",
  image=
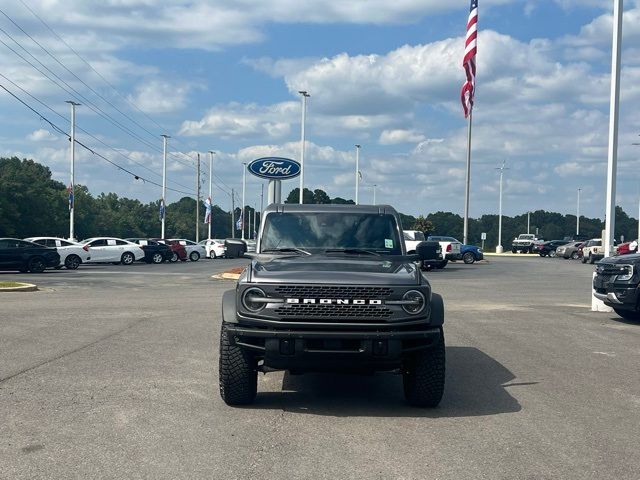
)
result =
(483, 237)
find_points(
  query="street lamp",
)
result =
(244, 185)
(578, 214)
(499, 248)
(304, 97)
(72, 193)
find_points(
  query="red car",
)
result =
(179, 251)
(628, 247)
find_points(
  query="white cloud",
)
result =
(392, 137)
(158, 96)
(41, 135)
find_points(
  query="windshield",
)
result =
(317, 232)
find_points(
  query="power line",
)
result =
(89, 149)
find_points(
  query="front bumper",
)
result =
(332, 350)
(620, 295)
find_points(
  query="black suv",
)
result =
(26, 256)
(331, 289)
(617, 284)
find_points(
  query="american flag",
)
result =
(469, 60)
(207, 215)
(162, 210)
(240, 222)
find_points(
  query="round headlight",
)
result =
(417, 302)
(251, 299)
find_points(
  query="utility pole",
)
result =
(305, 95)
(163, 200)
(72, 193)
(357, 172)
(198, 202)
(211, 153)
(578, 214)
(528, 221)
(374, 194)
(233, 213)
(244, 186)
(499, 248)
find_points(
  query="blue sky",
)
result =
(223, 76)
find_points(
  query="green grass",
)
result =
(10, 284)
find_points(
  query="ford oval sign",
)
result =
(274, 168)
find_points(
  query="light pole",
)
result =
(244, 186)
(198, 201)
(578, 214)
(528, 222)
(357, 172)
(374, 194)
(72, 196)
(163, 200)
(499, 248)
(211, 154)
(305, 95)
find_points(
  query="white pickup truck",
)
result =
(525, 243)
(593, 250)
(411, 240)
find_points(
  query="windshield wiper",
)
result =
(352, 251)
(286, 250)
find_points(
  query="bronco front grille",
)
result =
(338, 291)
(333, 312)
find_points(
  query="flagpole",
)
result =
(465, 235)
(244, 186)
(72, 192)
(211, 152)
(163, 206)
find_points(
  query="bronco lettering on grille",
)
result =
(333, 301)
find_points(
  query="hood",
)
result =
(622, 259)
(335, 270)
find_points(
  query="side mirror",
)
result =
(429, 251)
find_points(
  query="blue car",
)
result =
(471, 253)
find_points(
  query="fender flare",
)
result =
(437, 310)
(229, 307)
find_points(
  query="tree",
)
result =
(320, 196)
(294, 196)
(423, 225)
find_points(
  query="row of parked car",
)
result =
(35, 254)
(451, 248)
(588, 251)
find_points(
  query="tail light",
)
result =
(85, 248)
(449, 248)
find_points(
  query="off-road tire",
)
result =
(72, 262)
(628, 314)
(468, 258)
(424, 375)
(237, 371)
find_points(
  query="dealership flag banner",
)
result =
(161, 214)
(207, 215)
(469, 59)
(70, 192)
(240, 222)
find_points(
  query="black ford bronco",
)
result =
(330, 288)
(617, 284)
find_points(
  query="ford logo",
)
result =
(274, 168)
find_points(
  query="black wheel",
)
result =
(423, 376)
(628, 314)
(513, 250)
(591, 259)
(194, 256)
(36, 265)
(574, 256)
(59, 267)
(238, 374)
(174, 257)
(127, 258)
(157, 258)
(468, 257)
(72, 262)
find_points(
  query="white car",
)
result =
(113, 250)
(71, 254)
(194, 250)
(214, 247)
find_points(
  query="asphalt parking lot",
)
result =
(111, 372)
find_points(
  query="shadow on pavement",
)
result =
(475, 386)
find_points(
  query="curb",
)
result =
(23, 287)
(512, 255)
(226, 276)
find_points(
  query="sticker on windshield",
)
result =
(388, 243)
